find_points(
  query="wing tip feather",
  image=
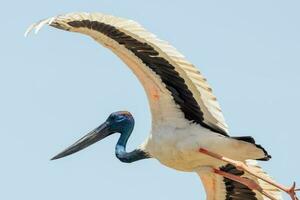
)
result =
(36, 27)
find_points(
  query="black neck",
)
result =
(128, 157)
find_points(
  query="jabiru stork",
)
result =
(188, 132)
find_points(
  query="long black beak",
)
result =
(89, 139)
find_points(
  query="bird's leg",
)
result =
(247, 182)
(242, 166)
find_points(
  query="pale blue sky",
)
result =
(52, 89)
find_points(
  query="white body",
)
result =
(178, 148)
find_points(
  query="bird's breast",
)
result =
(178, 147)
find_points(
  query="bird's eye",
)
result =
(119, 118)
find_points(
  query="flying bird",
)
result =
(188, 131)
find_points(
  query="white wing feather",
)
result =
(193, 78)
(216, 190)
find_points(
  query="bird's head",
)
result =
(117, 122)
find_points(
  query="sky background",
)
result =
(57, 86)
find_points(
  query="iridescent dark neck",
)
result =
(122, 155)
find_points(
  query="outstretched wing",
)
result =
(220, 188)
(175, 88)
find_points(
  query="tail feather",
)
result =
(251, 140)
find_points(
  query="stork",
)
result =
(188, 132)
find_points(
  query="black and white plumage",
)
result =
(185, 114)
